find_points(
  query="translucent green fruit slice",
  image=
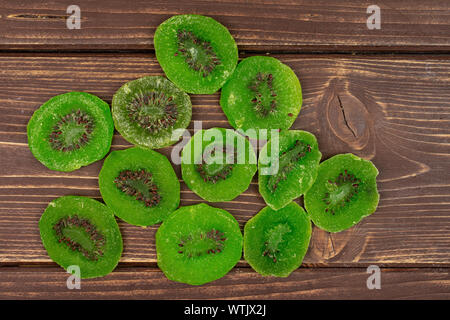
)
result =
(345, 192)
(147, 112)
(218, 164)
(70, 130)
(198, 244)
(297, 160)
(139, 185)
(275, 242)
(196, 52)
(262, 93)
(79, 231)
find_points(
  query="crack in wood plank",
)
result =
(37, 17)
(345, 118)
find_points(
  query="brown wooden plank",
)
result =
(397, 113)
(302, 25)
(240, 283)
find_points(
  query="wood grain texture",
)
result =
(392, 110)
(281, 26)
(240, 283)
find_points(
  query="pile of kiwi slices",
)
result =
(199, 243)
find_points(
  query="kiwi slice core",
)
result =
(341, 191)
(81, 235)
(139, 184)
(197, 53)
(202, 243)
(288, 160)
(72, 132)
(264, 100)
(275, 238)
(152, 111)
(213, 171)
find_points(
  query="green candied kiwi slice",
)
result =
(139, 185)
(148, 111)
(262, 93)
(344, 192)
(196, 52)
(275, 242)
(70, 131)
(83, 232)
(218, 164)
(198, 244)
(297, 160)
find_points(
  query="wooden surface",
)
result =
(389, 103)
(240, 283)
(274, 25)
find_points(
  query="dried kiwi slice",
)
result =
(262, 93)
(148, 110)
(218, 164)
(344, 192)
(198, 244)
(70, 130)
(297, 160)
(139, 185)
(275, 242)
(196, 52)
(83, 232)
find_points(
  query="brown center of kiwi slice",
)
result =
(264, 100)
(80, 235)
(72, 131)
(139, 184)
(198, 53)
(153, 111)
(287, 161)
(213, 172)
(340, 191)
(203, 243)
(275, 237)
